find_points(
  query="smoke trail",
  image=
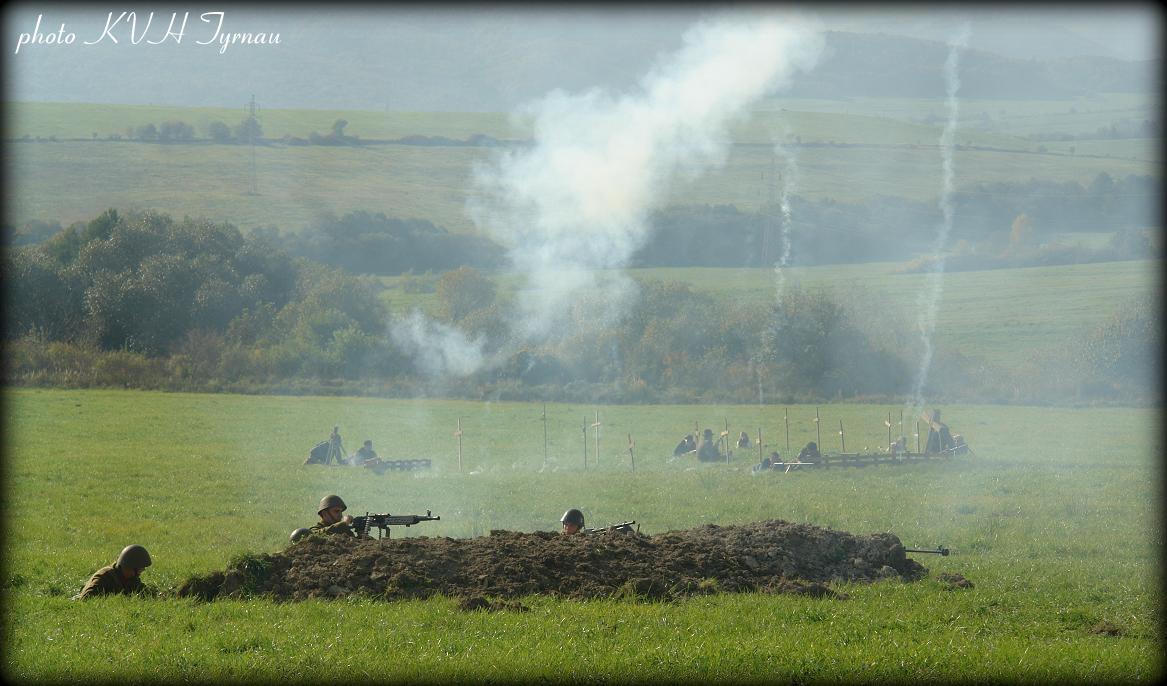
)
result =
(578, 200)
(929, 297)
(456, 354)
(789, 185)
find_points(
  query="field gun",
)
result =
(383, 521)
(939, 550)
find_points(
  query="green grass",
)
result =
(1080, 115)
(1055, 519)
(72, 181)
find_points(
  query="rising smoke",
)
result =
(929, 297)
(789, 182)
(578, 200)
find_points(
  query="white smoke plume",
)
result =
(789, 186)
(929, 297)
(454, 354)
(579, 198)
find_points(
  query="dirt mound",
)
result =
(769, 556)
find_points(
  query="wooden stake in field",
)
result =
(458, 433)
(818, 434)
(544, 435)
(597, 427)
(842, 439)
(632, 455)
(759, 445)
(888, 422)
(917, 436)
(786, 416)
(725, 435)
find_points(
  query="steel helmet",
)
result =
(330, 501)
(299, 533)
(134, 556)
(573, 516)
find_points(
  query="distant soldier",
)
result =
(332, 517)
(707, 448)
(686, 446)
(326, 451)
(335, 446)
(573, 522)
(366, 456)
(810, 453)
(743, 441)
(939, 437)
(767, 462)
(123, 576)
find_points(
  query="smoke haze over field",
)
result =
(578, 200)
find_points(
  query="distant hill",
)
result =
(877, 65)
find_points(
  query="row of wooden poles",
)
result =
(724, 438)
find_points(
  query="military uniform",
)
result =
(707, 449)
(341, 528)
(108, 580)
(939, 437)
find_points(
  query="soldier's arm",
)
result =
(101, 583)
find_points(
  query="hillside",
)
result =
(839, 155)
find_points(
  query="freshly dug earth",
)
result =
(769, 556)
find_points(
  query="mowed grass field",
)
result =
(1056, 520)
(1002, 317)
(74, 180)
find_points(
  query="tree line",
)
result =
(984, 233)
(141, 300)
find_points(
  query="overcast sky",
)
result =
(464, 57)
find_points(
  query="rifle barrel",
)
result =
(943, 552)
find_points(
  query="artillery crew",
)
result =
(686, 446)
(939, 437)
(707, 448)
(810, 453)
(365, 455)
(122, 577)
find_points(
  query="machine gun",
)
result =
(624, 527)
(942, 551)
(382, 522)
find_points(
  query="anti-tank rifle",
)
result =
(939, 550)
(623, 527)
(383, 521)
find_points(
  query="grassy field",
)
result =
(1007, 118)
(1055, 520)
(76, 180)
(1012, 117)
(1002, 317)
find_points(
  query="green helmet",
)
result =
(330, 501)
(299, 533)
(134, 556)
(573, 516)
